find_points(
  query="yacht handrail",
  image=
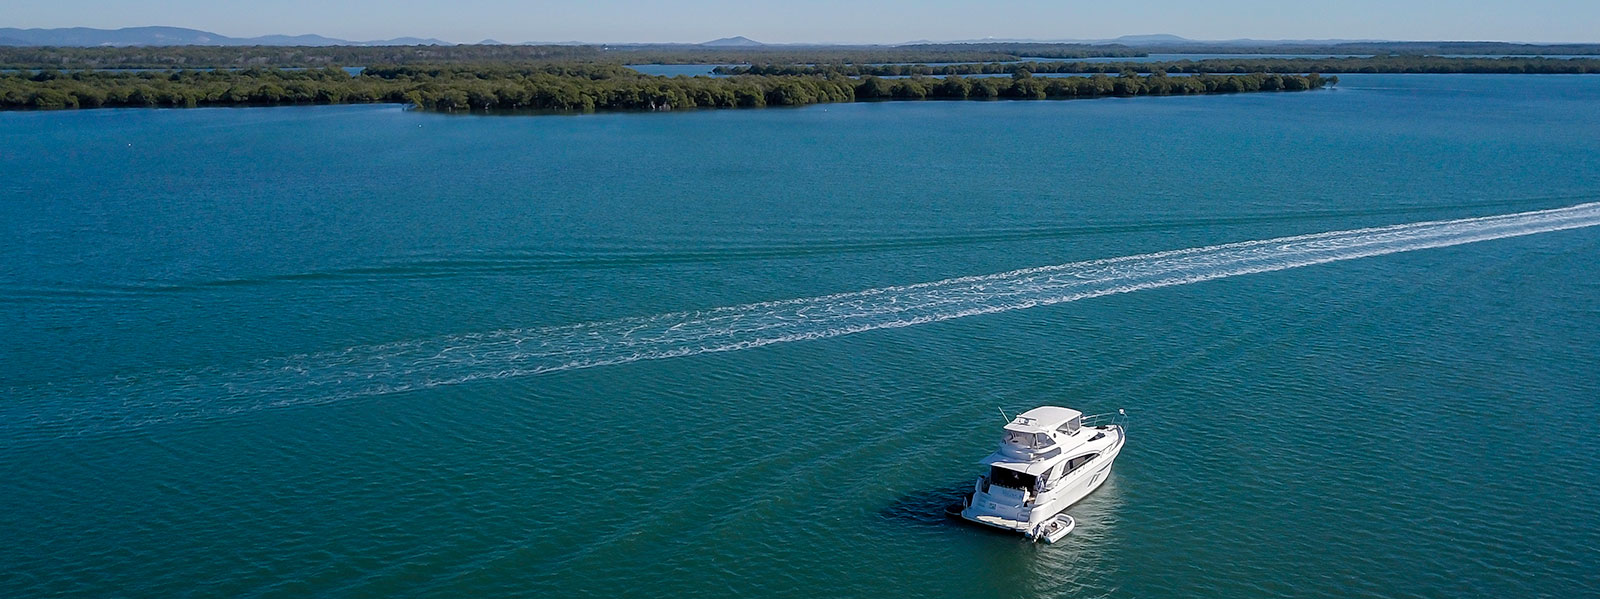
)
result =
(1118, 418)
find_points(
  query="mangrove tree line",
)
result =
(1377, 64)
(235, 57)
(572, 87)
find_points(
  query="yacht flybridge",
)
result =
(1049, 459)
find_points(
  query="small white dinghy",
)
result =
(1054, 529)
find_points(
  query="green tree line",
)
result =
(557, 87)
(235, 57)
(194, 57)
(1376, 48)
(239, 57)
(1384, 64)
(983, 52)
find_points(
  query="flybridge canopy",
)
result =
(1045, 419)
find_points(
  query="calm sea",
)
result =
(360, 351)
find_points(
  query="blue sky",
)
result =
(839, 21)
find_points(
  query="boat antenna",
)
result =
(1003, 413)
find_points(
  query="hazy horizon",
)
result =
(832, 21)
(999, 39)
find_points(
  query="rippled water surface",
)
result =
(363, 352)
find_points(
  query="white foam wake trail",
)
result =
(379, 369)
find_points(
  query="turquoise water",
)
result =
(291, 351)
(691, 70)
(1198, 56)
(674, 70)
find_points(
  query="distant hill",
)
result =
(737, 41)
(1155, 38)
(178, 36)
(293, 40)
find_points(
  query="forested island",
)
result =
(1377, 48)
(237, 57)
(1373, 64)
(575, 78)
(575, 87)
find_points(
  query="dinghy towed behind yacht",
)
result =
(1049, 459)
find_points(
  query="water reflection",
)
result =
(1081, 565)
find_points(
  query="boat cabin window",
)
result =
(1070, 427)
(1034, 440)
(1006, 477)
(1078, 462)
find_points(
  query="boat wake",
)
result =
(82, 408)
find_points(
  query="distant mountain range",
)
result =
(178, 36)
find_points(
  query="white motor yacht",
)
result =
(1049, 459)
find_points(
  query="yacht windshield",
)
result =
(1010, 478)
(1031, 440)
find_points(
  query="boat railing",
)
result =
(1117, 418)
